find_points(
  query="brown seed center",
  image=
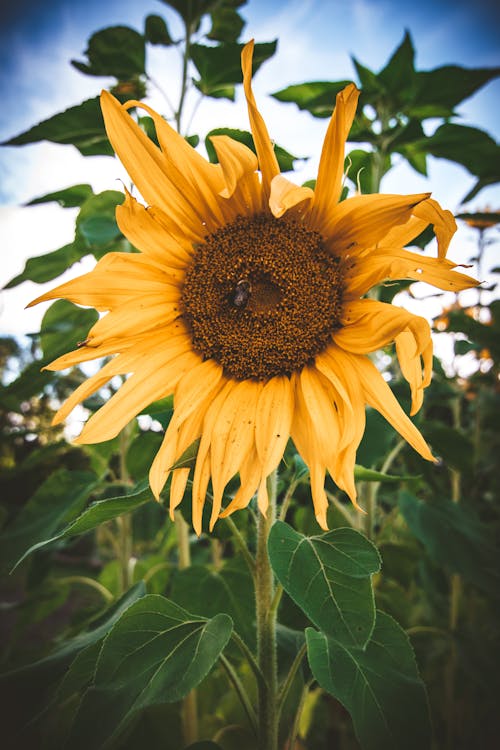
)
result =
(262, 297)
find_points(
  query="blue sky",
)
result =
(316, 39)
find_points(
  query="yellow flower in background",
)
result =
(246, 303)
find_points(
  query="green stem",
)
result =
(295, 727)
(105, 593)
(242, 545)
(290, 677)
(266, 628)
(287, 499)
(190, 703)
(124, 522)
(241, 692)
(455, 596)
(185, 63)
(249, 657)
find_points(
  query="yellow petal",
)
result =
(156, 178)
(140, 314)
(178, 488)
(117, 366)
(150, 237)
(368, 325)
(331, 166)
(443, 222)
(380, 397)
(273, 422)
(364, 220)
(117, 277)
(154, 379)
(199, 492)
(203, 466)
(233, 436)
(395, 263)
(250, 476)
(239, 164)
(285, 196)
(263, 145)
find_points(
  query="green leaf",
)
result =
(192, 11)
(440, 90)
(378, 685)
(220, 67)
(285, 159)
(70, 197)
(156, 653)
(450, 444)
(227, 24)
(316, 97)
(188, 459)
(376, 440)
(156, 31)
(362, 474)
(329, 577)
(27, 689)
(117, 51)
(141, 453)
(370, 83)
(63, 326)
(207, 592)
(82, 126)
(96, 514)
(360, 169)
(398, 77)
(57, 501)
(96, 225)
(472, 148)
(46, 267)
(453, 536)
(480, 184)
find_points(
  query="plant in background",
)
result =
(254, 312)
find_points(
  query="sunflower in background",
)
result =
(246, 303)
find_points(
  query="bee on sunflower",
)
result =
(247, 303)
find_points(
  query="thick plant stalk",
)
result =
(266, 629)
(189, 704)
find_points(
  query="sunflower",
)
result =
(247, 303)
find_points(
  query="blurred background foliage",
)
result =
(81, 518)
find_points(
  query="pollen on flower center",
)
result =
(262, 297)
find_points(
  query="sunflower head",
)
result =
(247, 303)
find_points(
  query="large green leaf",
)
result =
(219, 67)
(329, 577)
(69, 197)
(285, 159)
(440, 90)
(96, 514)
(156, 653)
(29, 689)
(156, 31)
(57, 501)
(207, 592)
(454, 537)
(116, 51)
(46, 267)
(227, 24)
(398, 77)
(82, 126)
(316, 97)
(378, 685)
(472, 148)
